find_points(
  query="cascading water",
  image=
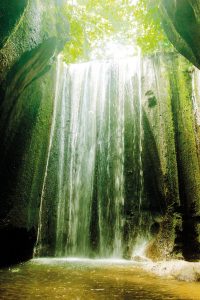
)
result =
(92, 191)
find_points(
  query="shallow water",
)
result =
(89, 279)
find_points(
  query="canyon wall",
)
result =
(32, 33)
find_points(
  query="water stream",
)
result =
(91, 203)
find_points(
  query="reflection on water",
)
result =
(89, 279)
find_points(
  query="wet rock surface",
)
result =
(178, 269)
(30, 40)
(181, 21)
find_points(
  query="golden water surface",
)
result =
(89, 279)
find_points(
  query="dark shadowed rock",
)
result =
(31, 35)
(181, 22)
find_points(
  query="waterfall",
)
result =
(93, 179)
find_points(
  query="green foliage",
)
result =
(150, 35)
(93, 22)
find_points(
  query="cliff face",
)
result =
(171, 154)
(10, 14)
(33, 29)
(181, 21)
(30, 38)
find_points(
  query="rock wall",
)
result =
(171, 155)
(181, 22)
(159, 156)
(32, 33)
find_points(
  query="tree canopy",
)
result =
(150, 35)
(95, 23)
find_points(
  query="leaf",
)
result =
(92, 21)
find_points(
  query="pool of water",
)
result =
(89, 279)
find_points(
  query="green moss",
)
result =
(171, 162)
(11, 14)
(186, 150)
(29, 44)
(38, 23)
(181, 24)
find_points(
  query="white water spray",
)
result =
(95, 104)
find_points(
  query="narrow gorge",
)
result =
(100, 153)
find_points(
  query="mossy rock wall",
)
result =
(170, 155)
(159, 155)
(181, 22)
(27, 24)
(31, 36)
(11, 12)
(23, 152)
